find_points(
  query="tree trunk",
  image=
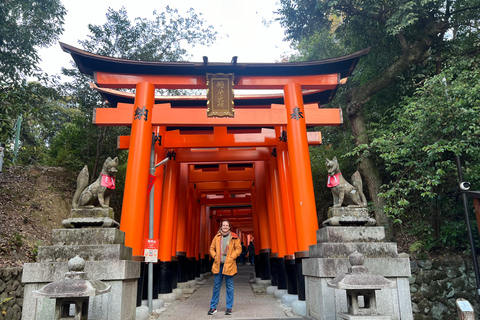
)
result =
(101, 138)
(367, 166)
(356, 98)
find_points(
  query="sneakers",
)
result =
(212, 311)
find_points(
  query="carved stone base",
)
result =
(348, 216)
(90, 222)
(92, 212)
(369, 317)
(91, 217)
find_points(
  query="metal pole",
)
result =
(150, 224)
(151, 218)
(469, 229)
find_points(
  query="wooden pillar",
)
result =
(301, 171)
(183, 199)
(208, 231)
(264, 224)
(201, 236)
(159, 175)
(136, 180)
(256, 227)
(159, 131)
(271, 208)
(190, 221)
(262, 209)
(168, 211)
(288, 212)
(277, 201)
(173, 250)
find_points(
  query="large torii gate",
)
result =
(249, 163)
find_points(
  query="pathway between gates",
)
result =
(247, 305)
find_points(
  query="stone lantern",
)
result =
(360, 286)
(73, 292)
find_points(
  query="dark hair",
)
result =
(229, 225)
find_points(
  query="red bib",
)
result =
(333, 180)
(108, 181)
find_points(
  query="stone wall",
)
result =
(435, 285)
(11, 294)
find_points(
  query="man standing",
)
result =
(251, 252)
(225, 249)
(243, 255)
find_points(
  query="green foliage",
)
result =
(406, 122)
(25, 26)
(42, 111)
(161, 39)
(441, 120)
(16, 240)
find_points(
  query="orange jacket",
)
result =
(234, 250)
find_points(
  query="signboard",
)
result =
(220, 95)
(151, 250)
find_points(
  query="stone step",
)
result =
(350, 234)
(96, 270)
(330, 268)
(343, 250)
(109, 252)
(87, 236)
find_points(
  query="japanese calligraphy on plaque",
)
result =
(220, 95)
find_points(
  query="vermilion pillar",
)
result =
(277, 202)
(301, 171)
(256, 225)
(173, 250)
(183, 196)
(136, 180)
(159, 150)
(271, 209)
(190, 217)
(286, 190)
(168, 207)
(262, 208)
(159, 175)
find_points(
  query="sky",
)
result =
(239, 23)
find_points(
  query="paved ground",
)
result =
(247, 304)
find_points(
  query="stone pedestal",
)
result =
(329, 259)
(106, 259)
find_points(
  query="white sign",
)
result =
(151, 255)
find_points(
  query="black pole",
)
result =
(467, 220)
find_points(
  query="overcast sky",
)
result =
(239, 23)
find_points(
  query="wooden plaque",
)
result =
(220, 95)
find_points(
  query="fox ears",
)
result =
(333, 160)
(114, 160)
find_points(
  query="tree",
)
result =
(407, 40)
(26, 26)
(165, 37)
(161, 39)
(440, 120)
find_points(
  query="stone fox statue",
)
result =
(98, 193)
(343, 192)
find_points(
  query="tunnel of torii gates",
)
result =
(241, 158)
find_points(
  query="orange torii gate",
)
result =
(256, 149)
